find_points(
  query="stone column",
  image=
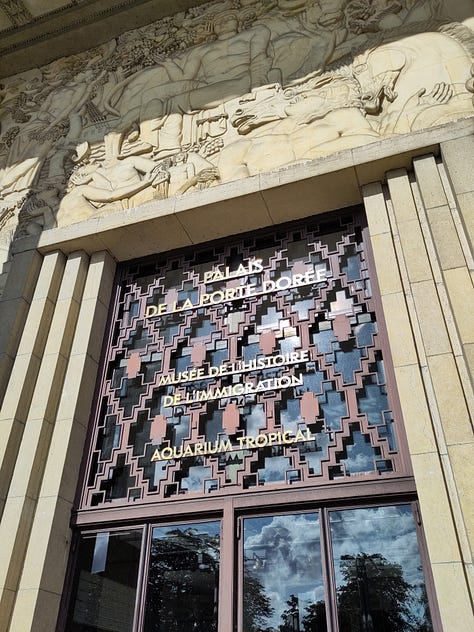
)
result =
(24, 372)
(14, 306)
(416, 321)
(35, 531)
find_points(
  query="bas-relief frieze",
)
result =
(224, 91)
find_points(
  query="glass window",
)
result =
(106, 582)
(283, 581)
(379, 580)
(183, 578)
(330, 570)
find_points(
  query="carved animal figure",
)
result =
(301, 123)
(415, 63)
(398, 87)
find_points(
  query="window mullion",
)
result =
(227, 574)
(142, 579)
(328, 572)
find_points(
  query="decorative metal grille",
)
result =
(244, 365)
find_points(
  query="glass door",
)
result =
(338, 570)
(182, 587)
(283, 583)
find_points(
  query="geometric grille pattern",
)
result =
(254, 363)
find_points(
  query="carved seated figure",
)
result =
(108, 185)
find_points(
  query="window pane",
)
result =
(283, 583)
(379, 581)
(107, 582)
(183, 579)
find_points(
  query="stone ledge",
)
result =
(247, 204)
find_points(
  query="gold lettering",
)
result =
(217, 297)
(250, 442)
(168, 455)
(188, 451)
(241, 441)
(299, 437)
(261, 440)
(273, 437)
(225, 446)
(151, 310)
(230, 294)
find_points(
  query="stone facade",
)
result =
(229, 117)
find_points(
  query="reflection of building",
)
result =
(280, 354)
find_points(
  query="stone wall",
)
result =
(222, 92)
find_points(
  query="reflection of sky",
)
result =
(290, 416)
(333, 406)
(360, 455)
(351, 267)
(302, 307)
(100, 552)
(196, 529)
(389, 531)
(314, 458)
(160, 471)
(193, 482)
(347, 362)
(274, 470)
(373, 402)
(287, 345)
(255, 421)
(365, 332)
(283, 552)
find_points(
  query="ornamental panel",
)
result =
(254, 363)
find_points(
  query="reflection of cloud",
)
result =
(289, 559)
(194, 481)
(359, 462)
(275, 468)
(256, 420)
(388, 531)
(360, 455)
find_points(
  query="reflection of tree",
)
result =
(315, 617)
(291, 616)
(183, 582)
(376, 598)
(257, 606)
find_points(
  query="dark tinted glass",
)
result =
(106, 582)
(183, 579)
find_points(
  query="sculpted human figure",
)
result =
(38, 135)
(203, 78)
(318, 36)
(188, 170)
(114, 180)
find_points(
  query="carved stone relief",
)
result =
(226, 90)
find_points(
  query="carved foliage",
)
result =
(223, 91)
